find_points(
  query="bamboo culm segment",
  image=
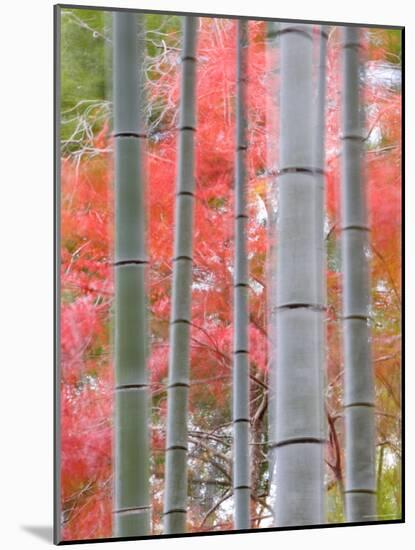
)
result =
(131, 441)
(175, 498)
(360, 484)
(299, 433)
(272, 169)
(241, 453)
(320, 209)
(320, 166)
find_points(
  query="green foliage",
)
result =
(389, 488)
(335, 504)
(389, 42)
(162, 32)
(86, 38)
(333, 252)
(83, 65)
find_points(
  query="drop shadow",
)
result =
(43, 532)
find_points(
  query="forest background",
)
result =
(27, 506)
(87, 279)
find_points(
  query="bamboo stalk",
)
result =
(320, 209)
(359, 386)
(131, 498)
(241, 420)
(272, 67)
(175, 500)
(320, 165)
(299, 437)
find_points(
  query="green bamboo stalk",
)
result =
(131, 498)
(359, 385)
(241, 420)
(175, 500)
(299, 437)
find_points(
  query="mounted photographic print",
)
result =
(228, 274)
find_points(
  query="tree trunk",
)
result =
(175, 501)
(299, 436)
(241, 453)
(131, 502)
(359, 386)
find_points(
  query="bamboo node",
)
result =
(130, 134)
(175, 510)
(353, 137)
(176, 258)
(122, 387)
(360, 404)
(295, 30)
(179, 385)
(129, 262)
(357, 227)
(312, 307)
(296, 441)
(191, 128)
(301, 170)
(357, 317)
(176, 448)
(352, 45)
(189, 58)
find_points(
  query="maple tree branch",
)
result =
(213, 509)
(391, 281)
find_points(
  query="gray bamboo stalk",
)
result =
(320, 206)
(319, 164)
(131, 499)
(241, 420)
(272, 68)
(175, 500)
(359, 386)
(299, 437)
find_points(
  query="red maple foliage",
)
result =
(87, 278)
